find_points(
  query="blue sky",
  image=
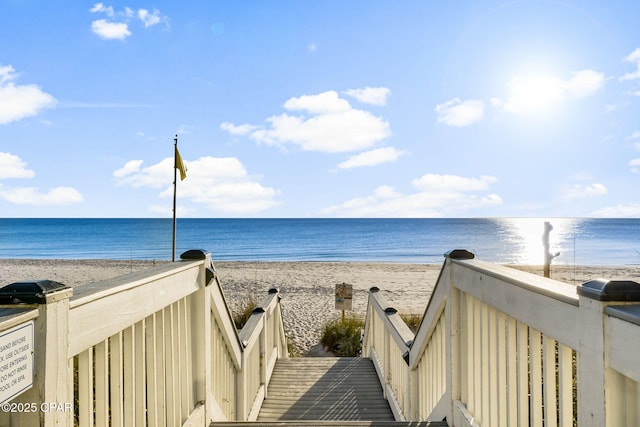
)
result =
(320, 108)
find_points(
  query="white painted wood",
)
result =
(524, 303)
(128, 367)
(591, 367)
(197, 417)
(512, 372)
(116, 376)
(396, 409)
(140, 386)
(462, 417)
(85, 388)
(102, 383)
(565, 379)
(155, 369)
(257, 404)
(535, 366)
(622, 344)
(549, 382)
(501, 374)
(522, 332)
(11, 316)
(125, 308)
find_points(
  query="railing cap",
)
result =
(390, 310)
(31, 292)
(194, 254)
(610, 290)
(273, 291)
(459, 254)
(374, 289)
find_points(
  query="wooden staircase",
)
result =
(325, 388)
(325, 391)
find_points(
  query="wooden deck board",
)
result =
(325, 389)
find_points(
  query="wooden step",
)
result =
(328, 389)
(302, 423)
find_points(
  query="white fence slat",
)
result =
(501, 374)
(512, 372)
(116, 377)
(85, 387)
(565, 379)
(535, 357)
(170, 365)
(140, 373)
(128, 353)
(523, 371)
(549, 382)
(102, 383)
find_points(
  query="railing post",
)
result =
(53, 376)
(594, 297)
(264, 352)
(201, 329)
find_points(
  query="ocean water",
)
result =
(504, 240)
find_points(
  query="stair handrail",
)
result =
(386, 341)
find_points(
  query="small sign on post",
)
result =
(344, 297)
(16, 361)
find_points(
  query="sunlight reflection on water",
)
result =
(523, 239)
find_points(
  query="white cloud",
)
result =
(631, 210)
(132, 166)
(20, 101)
(220, 184)
(149, 19)
(436, 196)
(634, 58)
(448, 183)
(12, 166)
(326, 102)
(374, 157)
(59, 196)
(237, 130)
(117, 27)
(584, 83)
(460, 113)
(330, 125)
(580, 191)
(370, 95)
(110, 30)
(539, 93)
(634, 165)
(101, 8)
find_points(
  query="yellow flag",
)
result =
(180, 165)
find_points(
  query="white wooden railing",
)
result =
(156, 348)
(500, 347)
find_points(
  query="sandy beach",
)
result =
(307, 288)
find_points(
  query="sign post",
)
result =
(344, 297)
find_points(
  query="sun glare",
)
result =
(534, 93)
(525, 235)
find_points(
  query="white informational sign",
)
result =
(16, 361)
(344, 296)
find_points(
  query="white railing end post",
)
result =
(53, 371)
(594, 297)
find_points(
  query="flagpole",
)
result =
(175, 186)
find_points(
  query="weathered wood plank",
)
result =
(325, 388)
